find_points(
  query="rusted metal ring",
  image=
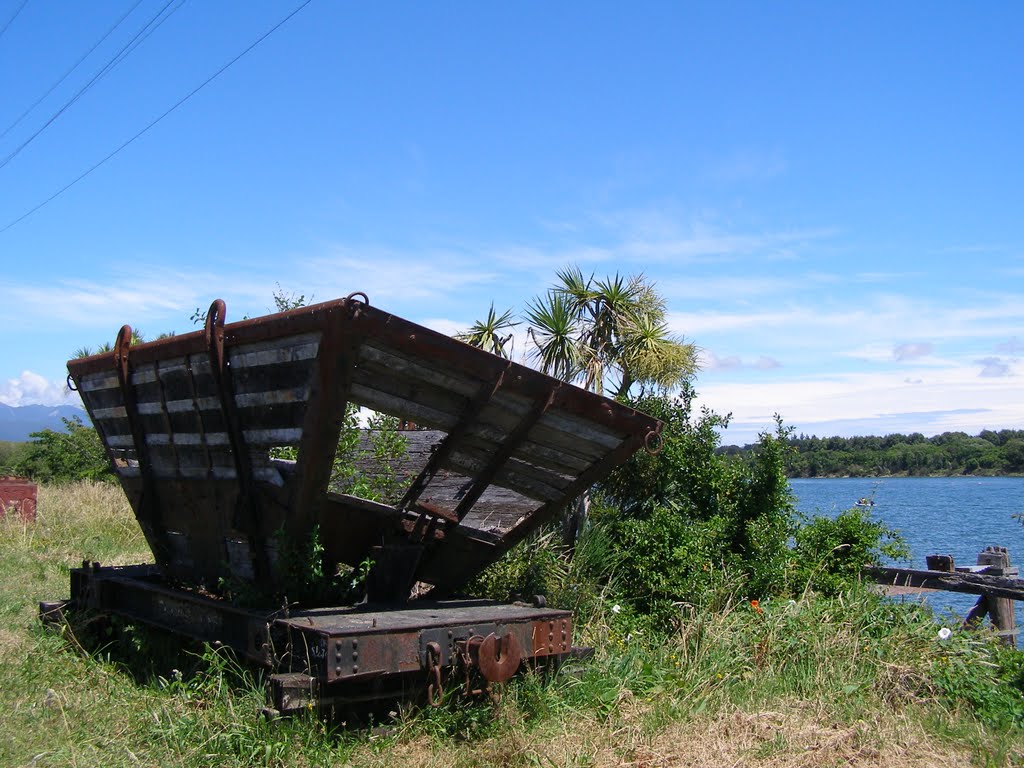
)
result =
(71, 384)
(366, 299)
(655, 438)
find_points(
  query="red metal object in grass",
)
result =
(18, 496)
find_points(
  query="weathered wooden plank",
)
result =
(558, 462)
(481, 455)
(95, 382)
(288, 396)
(375, 358)
(290, 349)
(402, 408)
(565, 422)
(273, 437)
(971, 583)
(109, 414)
(286, 376)
(417, 393)
(505, 477)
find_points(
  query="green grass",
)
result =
(850, 681)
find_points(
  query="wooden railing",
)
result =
(993, 579)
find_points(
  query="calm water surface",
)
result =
(936, 515)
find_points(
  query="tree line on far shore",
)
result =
(950, 453)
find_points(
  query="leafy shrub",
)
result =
(64, 457)
(12, 455)
(691, 524)
(829, 552)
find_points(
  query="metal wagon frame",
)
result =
(190, 423)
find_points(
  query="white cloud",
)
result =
(912, 351)
(709, 361)
(32, 389)
(994, 367)
(1012, 346)
(387, 275)
(867, 402)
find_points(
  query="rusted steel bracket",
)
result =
(504, 451)
(246, 518)
(149, 504)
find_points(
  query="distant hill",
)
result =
(18, 422)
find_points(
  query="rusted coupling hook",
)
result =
(435, 692)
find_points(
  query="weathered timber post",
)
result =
(996, 560)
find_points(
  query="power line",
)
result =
(147, 29)
(16, 14)
(73, 68)
(177, 104)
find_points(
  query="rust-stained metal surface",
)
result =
(18, 497)
(335, 654)
(189, 423)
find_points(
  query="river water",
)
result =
(958, 516)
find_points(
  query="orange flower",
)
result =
(756, 606)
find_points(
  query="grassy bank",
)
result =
(851, 681)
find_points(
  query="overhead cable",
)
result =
(75, 66)
(11, 20)
(177, 104)
(147, 29)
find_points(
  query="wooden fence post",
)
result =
(1000, 609)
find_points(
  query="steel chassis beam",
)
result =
(328, 655)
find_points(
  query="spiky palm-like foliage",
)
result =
(489, 334)
(587, 330)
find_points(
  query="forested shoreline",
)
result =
(950, 453)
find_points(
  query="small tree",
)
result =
(596, 331)
(63, 457)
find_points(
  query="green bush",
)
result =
(65, 457)
(11, 456)
(693, 526)
(829, 552)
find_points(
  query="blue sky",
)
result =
(828, 195)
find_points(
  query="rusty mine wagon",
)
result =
(192, 425)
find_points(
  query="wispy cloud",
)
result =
(710, 362)
(912, 350)
(994, 367)
(1013, 346)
